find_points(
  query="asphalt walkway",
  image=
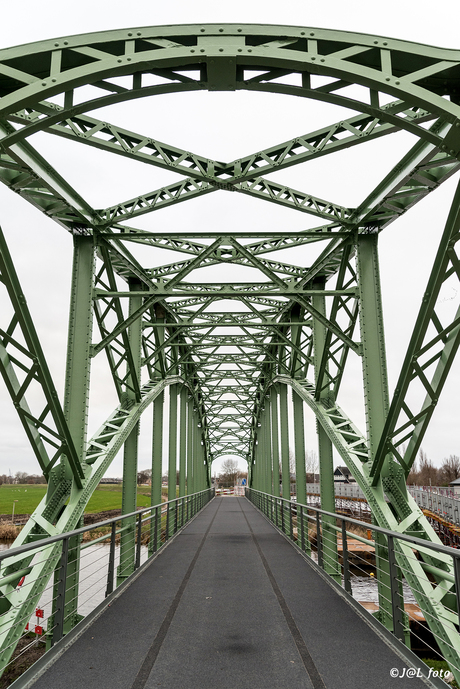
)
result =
(229, 604)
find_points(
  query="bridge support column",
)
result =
(157, 469)
(260, 466)
(183, 444)
(268, 443)
(196, 454)
(299, 449)
(265, 454)
(172, 459)
(190, 446)
(330, 554)
(76, 400)
(275, 464)
(284, 433)
(172, 454)
(376, 395)
(129, 492)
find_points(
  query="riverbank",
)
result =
(9, 531)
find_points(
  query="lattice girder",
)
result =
(160, 324)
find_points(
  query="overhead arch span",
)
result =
(297, 322)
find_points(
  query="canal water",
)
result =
(94, 563)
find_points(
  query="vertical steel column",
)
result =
(268, 447)
(76, 400)
(172, 461)
(202, 461)
(299, 447)
(259, 465)
(157, 467)
(375, 389)
(190, 446)
(252, 459)
(275, 441)
(331, 559)
(262, 453)
(79, 342)
(182, 444)
(284, 432)
(196, 455)
(129, 490)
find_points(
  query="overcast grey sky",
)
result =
(221, 126)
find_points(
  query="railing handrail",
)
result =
(11, 552)
(446, 550)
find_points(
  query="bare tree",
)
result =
(427, 473)
(311, 465)
(449, 470)
(229, 473)
(142, 477)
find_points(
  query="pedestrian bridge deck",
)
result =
(229, 604)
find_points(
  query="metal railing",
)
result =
(346, 548)
(89, 556)
(440, 500)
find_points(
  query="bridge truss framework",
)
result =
(229, 372)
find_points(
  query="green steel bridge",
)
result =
(238, 359)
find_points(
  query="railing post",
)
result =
(304, 539)
(291, 532)
(346, 567)
(167, 521)
(307, 535)
(111, 569)
(58, 619)
(157, 526)
(138, 544)
(397, 603)
(457, 583)
(319, 543)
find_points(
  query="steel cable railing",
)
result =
(336, 542)
(88, 570)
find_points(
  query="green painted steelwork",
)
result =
(293, 324)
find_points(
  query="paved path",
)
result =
(229, 604)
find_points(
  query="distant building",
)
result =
(343, 475)
(455, 485)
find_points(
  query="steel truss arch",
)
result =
(50, 68)
(158, 326)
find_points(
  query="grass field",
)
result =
(28, 496)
